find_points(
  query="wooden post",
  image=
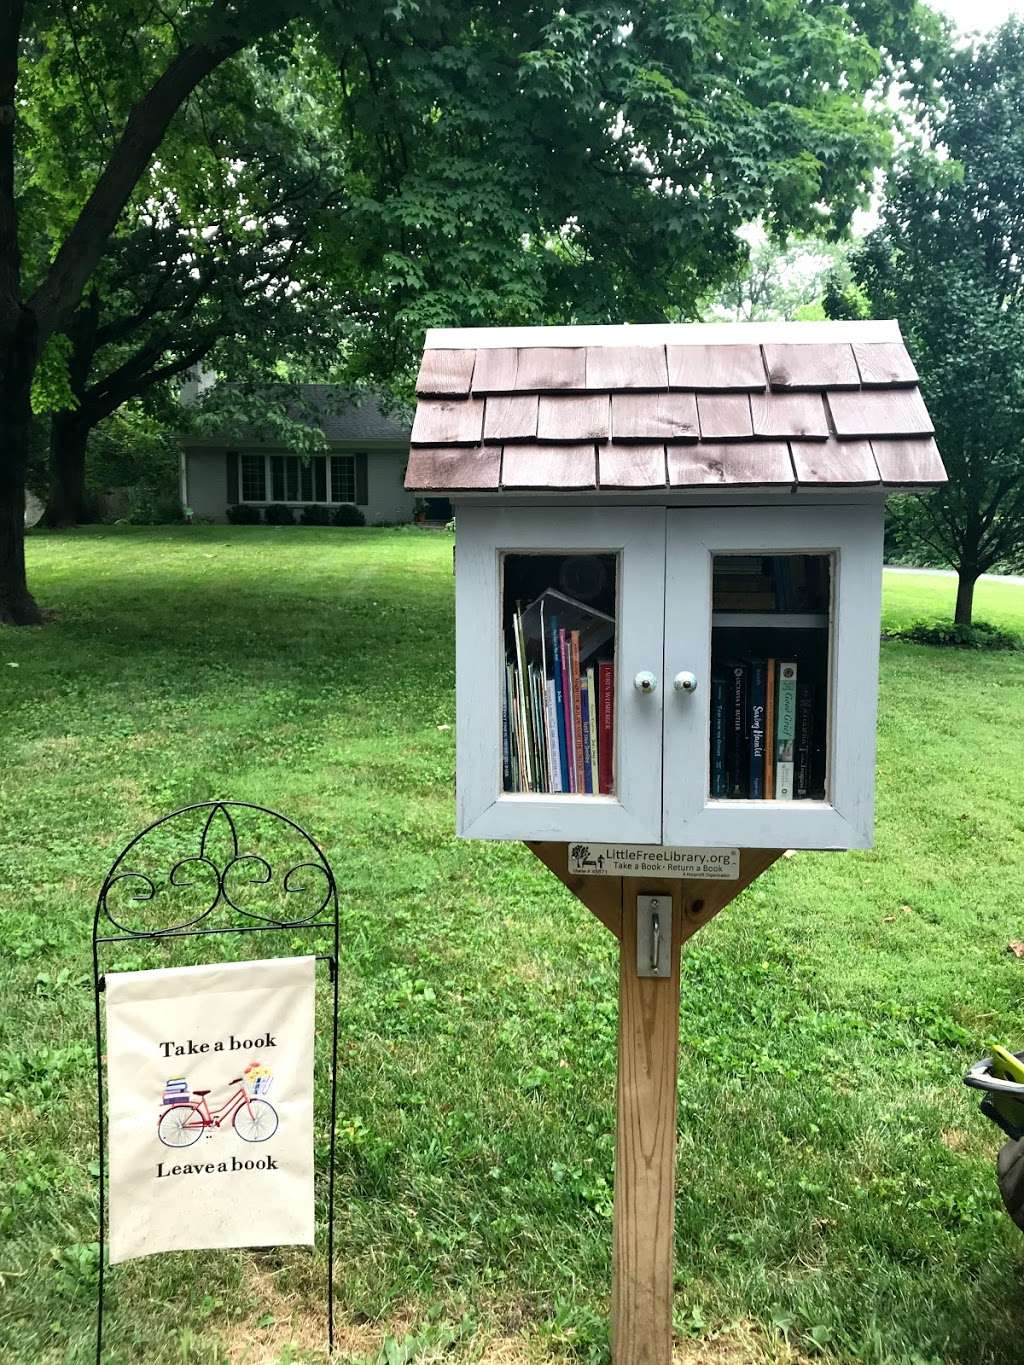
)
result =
(645, 1145)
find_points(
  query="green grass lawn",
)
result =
(837, 1195)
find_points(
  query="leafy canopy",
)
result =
(948, 261)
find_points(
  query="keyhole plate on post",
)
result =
(654, 935)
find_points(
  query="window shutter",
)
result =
(231, 460)
(361, 495)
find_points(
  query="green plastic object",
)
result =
(1005, 1066)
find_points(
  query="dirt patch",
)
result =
(297, 1326)
(737, 1345)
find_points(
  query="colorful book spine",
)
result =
(785, 731)
(606, 728)
(577, 719)
(554, 754)
(757, 719)
(769, 731)
(559, 703)
(588, 760)
(506, 741)
(737, 736)
(804, 741)
(719, 716)
(568, 709)
(595, 757)
(524, 702)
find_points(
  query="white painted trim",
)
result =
(484, 811)
(854, 536)
(183, 478)
(271, 501)
(663, 333)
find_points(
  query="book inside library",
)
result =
(558, 701)
(770, 652)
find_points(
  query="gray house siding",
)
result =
(210, 485)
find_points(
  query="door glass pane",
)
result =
(277, 464)
(770, 661)
(558, 685)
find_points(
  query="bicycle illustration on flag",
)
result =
(184, 1119)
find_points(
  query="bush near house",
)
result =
(348, 515)
(278, 514)
(242, 514)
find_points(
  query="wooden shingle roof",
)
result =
(771, 405)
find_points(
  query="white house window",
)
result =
(291, 479)
(343, 478)
(295, 480)
(254, 478)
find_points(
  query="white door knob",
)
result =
(645, 682)
(685, 682)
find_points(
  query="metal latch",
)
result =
(654, 935)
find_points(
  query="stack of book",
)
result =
(558, 707)
(786, 583)
(762, 732)
(176, 1091)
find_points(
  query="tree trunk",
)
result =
(968, 576)
(67, 504)
(17, 605)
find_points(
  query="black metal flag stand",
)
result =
(221, 885)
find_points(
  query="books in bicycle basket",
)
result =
(558, 701)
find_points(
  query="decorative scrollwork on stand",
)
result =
(221, 874)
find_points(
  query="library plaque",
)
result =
(654, 860)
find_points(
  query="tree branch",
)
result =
(60, 291)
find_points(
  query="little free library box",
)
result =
(668, 604)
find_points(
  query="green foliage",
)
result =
(780, 283)
(244, 514)
(51, 385)
(838, 1177)
(316, 514)
(948, 261)
(977, 635)
(279, 514)
(347, 514)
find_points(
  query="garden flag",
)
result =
(210, 1084)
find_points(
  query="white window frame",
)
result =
(484, 810)
(268, 479)
(853, 537)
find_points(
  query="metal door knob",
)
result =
(685, 682)
(645, 682)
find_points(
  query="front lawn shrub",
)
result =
(278, 514)
(315, 515)
(978, 635)
(349, 515)
(243, 514)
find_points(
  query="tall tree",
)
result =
(225, 265)
(948, 261)
(623, 144)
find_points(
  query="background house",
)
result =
(364, 463)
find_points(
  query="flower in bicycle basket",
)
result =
(257, 1077)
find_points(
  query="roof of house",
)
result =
(342, 414)
(775, 405)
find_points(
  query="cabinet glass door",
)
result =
(559, 613)
(771, 668)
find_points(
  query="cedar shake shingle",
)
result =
(511, 417)
(626, 367)
(573, 417)
(546, 368)
(879, 412)
(654, 417)
(798, 366)
(724, 416)
(549, 466)
(789, 414)
(446, 374)
(752, 464)
(448, 421)
(631, 464)
(453, 467)
(720, 367)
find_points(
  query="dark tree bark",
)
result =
(17, 606)
(68, 503)
(968, 575)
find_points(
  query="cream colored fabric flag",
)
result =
(210, 1085)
